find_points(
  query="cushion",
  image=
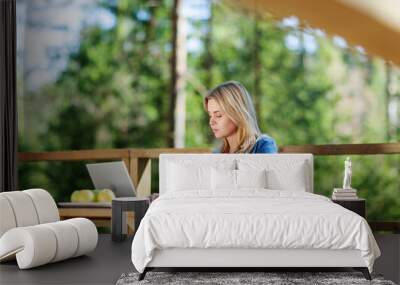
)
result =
(237, 179)
(87, 235)
(251, 178)
(282, 174)
(6, 216)
(31, 232)
(45, 206)
(277, 180)
(24, 210)
(187, 175)
(67, 239)
(183, 178)
(223, 179)
(40, 244)
(32, 246)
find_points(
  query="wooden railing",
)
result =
(344, 149)
(138, 161)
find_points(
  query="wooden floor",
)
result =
(111, 259)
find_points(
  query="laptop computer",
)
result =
(112, 175)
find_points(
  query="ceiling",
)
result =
(371, 24)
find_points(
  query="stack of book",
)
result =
(344, 194)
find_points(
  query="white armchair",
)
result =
(31, 230)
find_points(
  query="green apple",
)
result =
(86, 195)
(75, 196)
(105, 195)
(96, 194)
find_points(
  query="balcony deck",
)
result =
(110, 259)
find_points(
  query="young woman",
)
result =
(233, 119)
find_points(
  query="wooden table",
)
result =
(101, 217)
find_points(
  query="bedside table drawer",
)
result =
(357, 206)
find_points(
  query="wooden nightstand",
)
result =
(356, 205)
(125, 210)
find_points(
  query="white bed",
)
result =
(249, 210)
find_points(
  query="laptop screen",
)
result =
(112, 175)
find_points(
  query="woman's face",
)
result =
(221, 125)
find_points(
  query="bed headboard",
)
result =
(298, 168)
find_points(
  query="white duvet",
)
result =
(253, 218)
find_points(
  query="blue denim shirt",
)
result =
(263, 144)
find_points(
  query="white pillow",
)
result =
(282, 174)
(251, 178)
(189, 174)
(182, 177)
(278, 180)
(236, 179)
(223, 179)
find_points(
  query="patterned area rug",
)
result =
(225, 278)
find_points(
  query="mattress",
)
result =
(252, 219)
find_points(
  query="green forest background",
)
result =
(114, 93)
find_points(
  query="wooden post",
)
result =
(140, 172)
(130, 223)
(127, 162)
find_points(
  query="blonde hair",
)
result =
(236, 103)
